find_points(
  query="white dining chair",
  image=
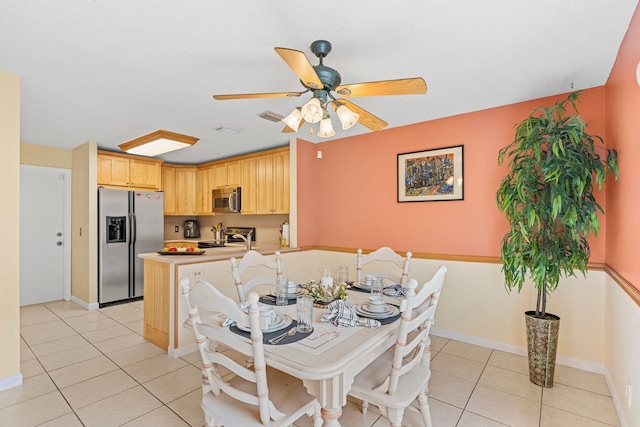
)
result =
(243, 396)
(395, 379)
(250, 260)
(388, 256)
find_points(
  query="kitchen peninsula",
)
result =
(164, 310)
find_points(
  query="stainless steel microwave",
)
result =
(226, 199)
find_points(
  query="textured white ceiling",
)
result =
(112, 70)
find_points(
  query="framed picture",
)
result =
(431, 175)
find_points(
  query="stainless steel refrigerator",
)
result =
(129, 223)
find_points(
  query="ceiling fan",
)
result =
(323, 82)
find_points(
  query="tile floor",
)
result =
(93, 368)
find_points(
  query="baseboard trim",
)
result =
(572, 362)
(618, 403)
(10, 382)
(84, 304)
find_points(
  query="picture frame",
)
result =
(431, 175)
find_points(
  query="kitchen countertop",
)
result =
(217, 254)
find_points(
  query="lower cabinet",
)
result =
(156, 303)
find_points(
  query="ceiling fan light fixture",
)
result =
(294, 119)
(347, 117)
(325, 129)
(312, 111)
(158, 142)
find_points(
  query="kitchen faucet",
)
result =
(246, 239)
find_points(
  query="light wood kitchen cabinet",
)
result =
(174, 244)
(156, 303)
(249, 186)
(204, 185)
(227, 174)
(179, 186)
(119, 170)
(272, 178)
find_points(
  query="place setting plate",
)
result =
(294, 295)
(361, 285)
(282, 321)
(365, 310)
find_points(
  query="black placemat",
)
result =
(267, 336)
(269, 300)
(385, 321)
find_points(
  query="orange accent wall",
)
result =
(348, 198)
(623, 133)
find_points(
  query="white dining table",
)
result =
(330, 357)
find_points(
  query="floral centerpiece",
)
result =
(323, 294)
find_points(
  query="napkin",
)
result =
(244, 306)
(343, 315)
(394, 291)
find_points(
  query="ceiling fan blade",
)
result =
(301, 66)
(412, 86)
(257, 95)
(366, 118)
(287, 129)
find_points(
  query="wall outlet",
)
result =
(198, 274)
(176, 229)
(628, 394)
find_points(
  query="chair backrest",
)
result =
(386, 255)
(203, 299)
(413, 341)
(254, 259)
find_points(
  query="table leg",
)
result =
(330, 416)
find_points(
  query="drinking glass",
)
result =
(342, 276)
(304, 305)
(282, 291)
(376, 287)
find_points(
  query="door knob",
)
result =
(59, 243)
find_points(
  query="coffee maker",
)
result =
(191, 228)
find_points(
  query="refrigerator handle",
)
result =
(133, 228)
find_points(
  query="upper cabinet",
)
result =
(249, 186)
(227, 174)
(204, 184)
(118, 170)
(272, 183)
(179, 186)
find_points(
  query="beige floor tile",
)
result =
(511, 382)
(135, 354)
(437, 343)
(34, 411)
(449, 389)
(69, 312)
(106, 333)
(175, 384)
(580, 402)
(88, 316)
(161, 417)
(82, 371)
(57, 346)
(43, 328)
(36, 317)
(443, 414)
(128, 317)
(31, 368)
(136, 326)
(188, 408)
(504, 408)
(154, 367)
(26, 354)
(106, 322)
(469, 419)
(137, 304)
(69, 357)
(589, 381)
(69, 420)
(467, 351)
(97, 388)
(112, 345)
(510, 361)
(552, 417)
(122, 407)
(192, 357)
(116, 310)
(457, 366)
(48, 336)
(30, 388)
(351, 416)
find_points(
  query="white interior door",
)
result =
(45, 234)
